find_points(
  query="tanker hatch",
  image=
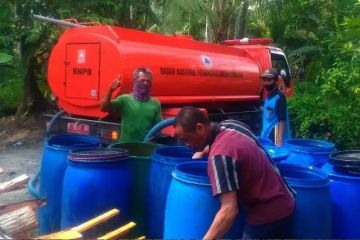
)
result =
(82, 75)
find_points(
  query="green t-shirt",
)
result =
(137, 117)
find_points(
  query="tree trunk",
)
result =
(209, 24)
(33, 101)
(125, 15)
(144, 27)
(220, 33)
(243, 19)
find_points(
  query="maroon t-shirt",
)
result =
(238, 162)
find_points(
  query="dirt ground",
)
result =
(21, 145)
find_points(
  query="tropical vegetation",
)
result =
(321, 39)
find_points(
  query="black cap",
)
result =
(270, 73)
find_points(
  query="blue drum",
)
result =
(52, 171)
(95, 181)
(163, 163)
(344, 174)
(312, 217)
(191, 207)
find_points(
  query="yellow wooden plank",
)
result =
(95, 221)
(121, 231)
(75, 232)
(66, 235)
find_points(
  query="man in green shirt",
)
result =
(139, 112)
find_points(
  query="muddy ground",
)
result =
(21, 144)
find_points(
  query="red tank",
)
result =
(85, 61)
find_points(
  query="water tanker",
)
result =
(223, 79)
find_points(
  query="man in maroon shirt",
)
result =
(240, 170)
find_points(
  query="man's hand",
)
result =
(116, 83)
(201, 154)
(105, 104)
(197, 155)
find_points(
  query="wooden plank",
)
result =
(13, 184)
(5, 235)
(18, 222)
(75, 232)
(95, 221)
(34, 204)
(120, 232)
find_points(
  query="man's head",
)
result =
(269, 78)
(193, 127)
(142, 83)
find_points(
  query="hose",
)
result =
(158, 127)
(33, 183)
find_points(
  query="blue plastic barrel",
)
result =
(95, 181)
(52, 171)
(312, 217)
(344, 174)
(163, 163)
(310, 152)
(191, 207)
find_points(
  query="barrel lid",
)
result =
(97, 155)
(347, 161)
(277, 153)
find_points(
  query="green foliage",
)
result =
(10, 95)
(5, 58)
(314, 115)
(327, 105)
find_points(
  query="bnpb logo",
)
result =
(206, 61)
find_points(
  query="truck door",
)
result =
(82, 70)
(279, 62)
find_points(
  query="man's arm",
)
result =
(158, 115)
(279, 137)
(225, 217)
(281, 109)
(105, 104)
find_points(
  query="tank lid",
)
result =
(97, 155)
(346, 161)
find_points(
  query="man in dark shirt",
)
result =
(275, 116)
(240, 170)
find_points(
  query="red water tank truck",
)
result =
(223, 79)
